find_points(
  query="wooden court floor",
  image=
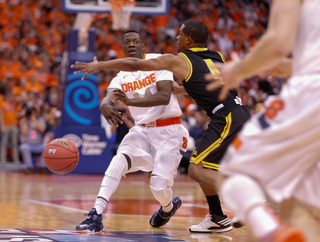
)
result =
(38, 207)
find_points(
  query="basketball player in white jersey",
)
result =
(277, 153)
(155, 144)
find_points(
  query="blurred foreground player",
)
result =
(156, 142)
(277, 153)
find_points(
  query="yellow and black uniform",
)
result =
(226, 118)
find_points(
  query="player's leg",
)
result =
(118, 167)
(246, 198)
(130, 151)
(216, 220)
(168, 155)
(161, 189)
(301, 216)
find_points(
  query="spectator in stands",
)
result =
(200, 125)
(10, 132)
(32, 127)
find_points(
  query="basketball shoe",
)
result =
(93, 223)
(236, 222)
(284, 233)
(160, 218)
(212, 223)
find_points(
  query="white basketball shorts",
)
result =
(156, 149)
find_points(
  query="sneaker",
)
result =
(236, 222)
(284, 233)
(212, 223)
(160, 218)
(93, 223)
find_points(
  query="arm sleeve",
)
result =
(164, 76)
(115, 83)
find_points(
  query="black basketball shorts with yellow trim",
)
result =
(222, 129)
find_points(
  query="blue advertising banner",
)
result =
(94, 149)
(81, 101)
(80, 120)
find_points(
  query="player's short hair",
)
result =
(131, 31)
(197, 30)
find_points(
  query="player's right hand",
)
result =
(121, 96)
(111, 114)
(87, 68)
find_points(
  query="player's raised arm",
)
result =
(165, 62)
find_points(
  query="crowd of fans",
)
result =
(33, 38)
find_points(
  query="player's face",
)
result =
(132, 45)
(181, 40)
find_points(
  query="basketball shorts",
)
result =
(155, 149)
(280, 146)
(223, 127)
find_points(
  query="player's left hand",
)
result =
(87, 68)
(228, 77)
(121, 96)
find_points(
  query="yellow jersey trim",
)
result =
(190, 68)
(222, 57)
(210, 165)
(198, 49)
(215, 145)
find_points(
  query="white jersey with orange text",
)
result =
(142, 83)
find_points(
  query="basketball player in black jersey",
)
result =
(226, 118)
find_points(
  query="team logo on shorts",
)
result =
(51, 151)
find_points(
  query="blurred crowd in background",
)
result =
(33, 38)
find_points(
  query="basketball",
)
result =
(61, 156)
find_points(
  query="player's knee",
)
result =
(158, 183)
(118, 166)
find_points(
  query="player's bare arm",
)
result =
(169, 62)
(162, 97)
(273, 46)
(108, 110)
(284, 69)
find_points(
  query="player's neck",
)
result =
(196, 46)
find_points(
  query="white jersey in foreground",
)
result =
(306, 52)
(279, 146)
(141, 83)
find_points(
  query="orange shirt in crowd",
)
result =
(9, 110)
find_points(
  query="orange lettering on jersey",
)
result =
(124, 87)
(148, 80)
(153, 77)
(132, 86)
(142, 83)
(135, 85)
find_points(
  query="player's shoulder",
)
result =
(218, 55)
(122, 74)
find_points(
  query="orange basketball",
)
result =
(61, 156)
